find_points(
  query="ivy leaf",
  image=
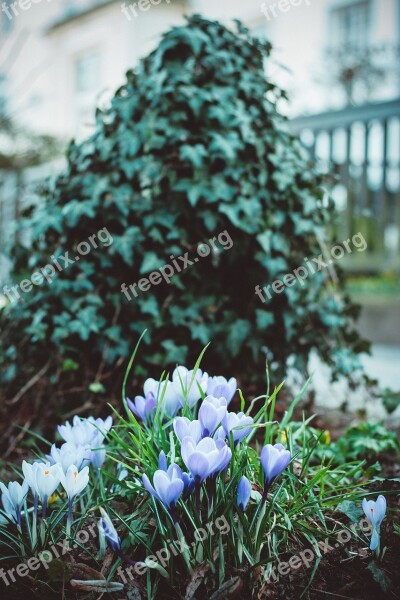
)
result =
(237, 335)
(264, 319)
(351, 510)
(97, 388)
(380, 576)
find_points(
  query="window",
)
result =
(87, 72)
(87, 77)
(351, 25)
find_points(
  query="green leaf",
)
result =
(69, 365)
(380, 576)
(96, 388)
(351, 510)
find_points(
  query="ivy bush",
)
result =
(192, 145)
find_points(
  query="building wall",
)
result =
(40, 63)
(301, 34)
(40, 60)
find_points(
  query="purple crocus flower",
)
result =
(206, 458)
(220, 387)
(243, 493)
(168, 487)
(162, 461)
(110, 534)
(274, 460)
(375, 513)
(237, 424)
(183, 427)
(211, 413)
(188, 483)
(220, 434)
(143, 407)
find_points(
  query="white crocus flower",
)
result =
(68, 455)
(47, 480)
(29, 472)
(74, 481)
(13, 498)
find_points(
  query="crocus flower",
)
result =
(220, 387)
(375, 513)
(183, 427)
(243, 493)
(211, 413)
(162, 461)
(187, 479)
(97, 457)
(110, 534)
(13, 497)
(67, 455)
(188, 483)
(74, 481)
(43, 479)
(89, 434)
(237, 424)
(168, 487)
(220, 434)
(187, 385)
(85, 432)
(205, 458)
(80, 433)
(29, 472)
(143, 407)
(123, 474)
(274, 460)
(164, 393)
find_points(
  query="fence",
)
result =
(360, 146)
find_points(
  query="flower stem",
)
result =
(69, 516)
(34, 519)
(197, 488)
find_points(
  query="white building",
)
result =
(61, 58)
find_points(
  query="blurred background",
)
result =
(338, 61)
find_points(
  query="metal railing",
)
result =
(360, 147)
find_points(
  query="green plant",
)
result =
(367, 440)
(211, 535)
(192, 145)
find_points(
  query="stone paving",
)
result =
(383, 365)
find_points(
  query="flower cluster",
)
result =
(67, 466)
(185, 389)
(208, 433)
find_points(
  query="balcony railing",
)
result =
(360, 146)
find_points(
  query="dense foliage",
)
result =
(192, 146)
